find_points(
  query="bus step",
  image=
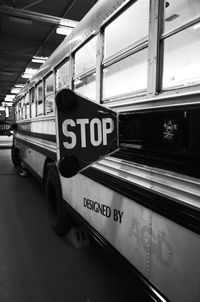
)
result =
(78, 237)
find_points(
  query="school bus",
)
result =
(128, 75)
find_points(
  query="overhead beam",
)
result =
(32, 4)
(31, 15)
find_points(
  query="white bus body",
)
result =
(142, 203)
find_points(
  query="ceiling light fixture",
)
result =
(40, 60)
(15, 90)
(19, 85)
(9, 98)
(6, 104)
(64, 30)
(28, 73)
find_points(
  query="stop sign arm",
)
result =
(87, 132)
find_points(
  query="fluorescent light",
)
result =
(40, 60)
(64, 30)
(30, 70)
(10, 96)
(196, 26)
(68, 23)
(8, 100)
(15, 90)
(6, 104)
(19, 85)
(28, 73)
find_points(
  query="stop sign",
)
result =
(87, 132)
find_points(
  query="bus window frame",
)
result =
(163, 36)
(61, 64)
(45, 96)
(27, 104)
(32, 92)
(38, 84)
(122, 54)
(87, 70)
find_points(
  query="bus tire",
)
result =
(15, 156)
(59, 218)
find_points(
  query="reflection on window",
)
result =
(86, 86)
(62, 76)
(49, 95)
(40, 99)
(39, 108)
(130, 27)
(49, 84)
(32, 100)
(179, 12)
(49, 101)
(181, 59)
(85, 58)
(126, 76)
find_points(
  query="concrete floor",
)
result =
(38, 266)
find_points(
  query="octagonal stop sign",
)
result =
(87, 132)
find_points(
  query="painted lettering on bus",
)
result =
(97, 207)
(102, 209)
(98, 129)
(117, 215)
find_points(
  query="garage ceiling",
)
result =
(27, 29)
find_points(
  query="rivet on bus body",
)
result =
(68, 166)
(66, 100)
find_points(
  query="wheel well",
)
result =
(47, 165)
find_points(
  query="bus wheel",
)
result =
(60, 220)
(15, 156)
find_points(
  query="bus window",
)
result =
(39, 100)
(177, 13)
(23, 107)
(129, 28)
(85, 58)
(17, 112)
(63, 76)
(181, 59)
(49, 96)
(32, 101)
(27, 108)
(181, 66)
(86, 86)
(126, 76)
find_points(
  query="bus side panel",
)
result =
(35, 160)
(175, 266)
(123, 223)
(163, 251)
